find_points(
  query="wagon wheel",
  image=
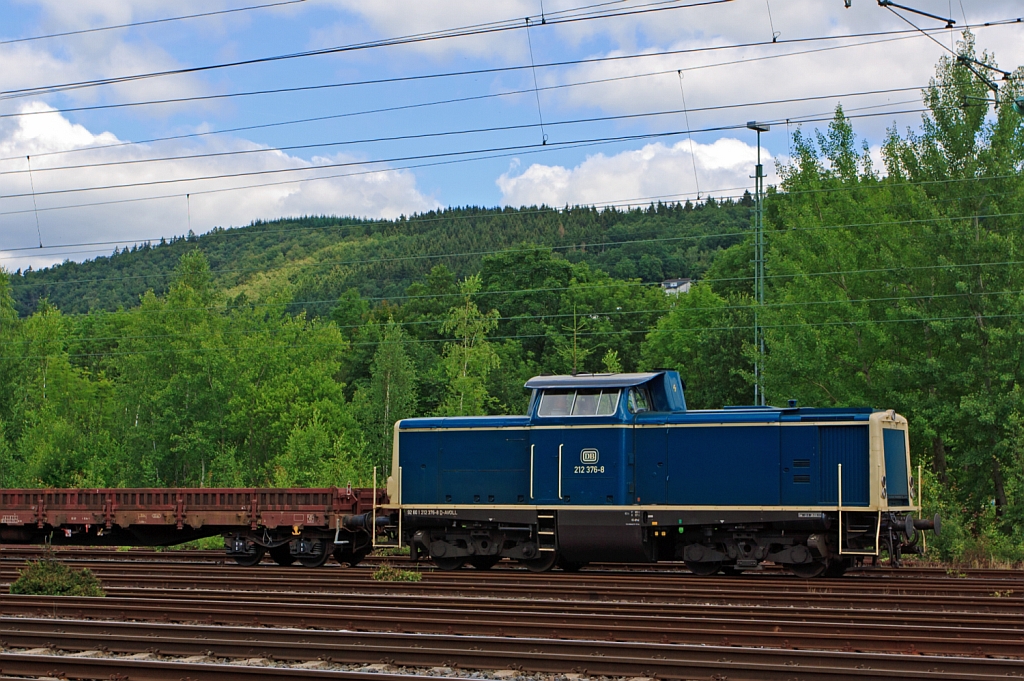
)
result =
(837, 567)
(542, 563)
(448, 563)
(570, 566)
(318, 559)
(484, 562)
(704, 568)
(250, 559)
(808, 570)
(347, 557)
(282, 555)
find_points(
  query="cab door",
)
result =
(578, 447)
(593, 463)
(545, 443)
(650, 450)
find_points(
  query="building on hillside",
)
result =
(673, 287)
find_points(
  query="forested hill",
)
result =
(318, 258)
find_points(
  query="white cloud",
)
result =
(653, 171)
(375, 195)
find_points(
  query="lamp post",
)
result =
(758, 261)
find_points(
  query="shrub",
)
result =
(49, 577)
(386, 572)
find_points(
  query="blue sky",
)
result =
(720, 162)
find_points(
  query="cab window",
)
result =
(583, 402)
(638, 400)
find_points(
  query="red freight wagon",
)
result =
(308, 525)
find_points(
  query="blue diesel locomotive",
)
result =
(613, 468)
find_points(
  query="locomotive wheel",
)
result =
(544, 562)
(319, 559)
(484, 562)
(281, 555)
(808, 570)
(250, 559)
(703, 569)
(837, 567)
(448, 563)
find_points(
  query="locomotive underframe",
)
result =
(807, 542)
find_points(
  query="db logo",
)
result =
(589, 456)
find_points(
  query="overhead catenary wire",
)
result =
(689, 134)
(594, 315)
(533, 71)
(150, 22)
(886, 37)
(559, 247)
(402, 40)
(644, 200)
(634, 203)
(471, 131)
(446, 154)
(618, 332)
(968, 62)
(35, 206)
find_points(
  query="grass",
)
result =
(49, 577)
(386, 572)
(388, 551)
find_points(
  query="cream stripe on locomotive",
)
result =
(638, 425)
(653, 507)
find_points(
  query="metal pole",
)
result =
(758, 263)
(759, 183)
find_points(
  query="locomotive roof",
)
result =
(592, 380)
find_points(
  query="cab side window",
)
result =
(582, 402)
(638, 400)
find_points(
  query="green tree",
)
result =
(318, 454)
(702, 337)
(470, 357)
(611, 362)
(389, 397)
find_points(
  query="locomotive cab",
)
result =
(614, 468)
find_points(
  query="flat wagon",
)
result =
(304, 525)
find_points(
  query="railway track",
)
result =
(321, 605)
(613, 622)
(20, 553)
(1006, 596)
(710, 626)
(603, 658)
